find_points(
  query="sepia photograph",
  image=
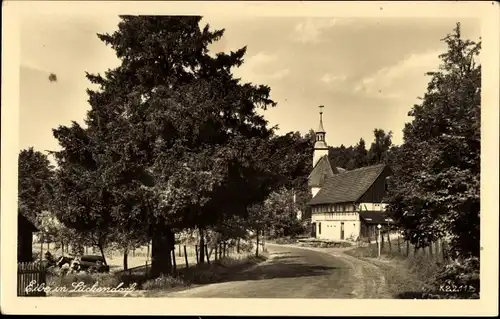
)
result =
(232, 155)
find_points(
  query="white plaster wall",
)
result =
(315, 190)
(331, 225)
(318, 154)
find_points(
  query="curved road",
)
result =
(297, 272)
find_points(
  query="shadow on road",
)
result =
(280, 269)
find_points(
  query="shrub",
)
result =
(285, 240)
(103, 279)
(458, 279)
(163, 283)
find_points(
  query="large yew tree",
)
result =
(169, 139)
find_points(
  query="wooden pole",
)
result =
(389, 240)
(186, 257)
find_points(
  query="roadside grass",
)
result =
(407, 277)
(217, 271)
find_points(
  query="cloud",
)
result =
(329, 78)
(401, 79)
(261, 66)
(280, 74)
(310, 30)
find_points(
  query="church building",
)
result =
(345, 204)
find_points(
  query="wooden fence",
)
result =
(31, 278)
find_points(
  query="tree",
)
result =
(380, 147)
(169, 135)
(341, 156)
(435, 188)
(360, 155)
(34, 183)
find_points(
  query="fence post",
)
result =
(186, 257)
(389, 241)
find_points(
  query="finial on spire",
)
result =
(321, 129)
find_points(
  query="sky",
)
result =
(367, 72)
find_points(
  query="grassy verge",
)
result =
(216, 271)
(406, 277)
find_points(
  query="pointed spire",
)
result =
(320, 128)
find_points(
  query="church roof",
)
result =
(321, 171)
(320, 129)
(349, 186)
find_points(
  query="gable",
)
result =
(321, 172)
(349, 186)
(24, 224)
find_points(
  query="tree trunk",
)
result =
(161, 258)
(257, 248)
(62, 248)
(125, 259)
(263, 241)
(399, 245)
(202, 247)
(407, 248)
(238, 246)
(102, 254)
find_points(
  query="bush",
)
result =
(458, 279)
(246, 246)
(285, 240)
(103, 279)
(163, 283)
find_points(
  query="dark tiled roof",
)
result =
(375, 217)
(25, 223)
(348, 186)
(321, 172)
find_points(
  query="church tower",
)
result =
(320, 147)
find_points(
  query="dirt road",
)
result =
(296, 272)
